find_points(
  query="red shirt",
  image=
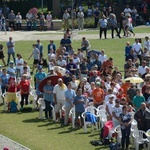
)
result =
(12, 87)
(24, 87)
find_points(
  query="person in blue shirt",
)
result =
(11, 50)
(96, 17)
(48, 98)
(125, 122)
(79, 102)
(51, 46)
(40, 75)
(40, 47)
(66, 42)
(127, 50)
(69, 97)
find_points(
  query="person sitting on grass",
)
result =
(85, 45)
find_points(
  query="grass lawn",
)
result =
(36, 134)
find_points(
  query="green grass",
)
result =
(36, 134)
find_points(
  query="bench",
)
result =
(56, 25)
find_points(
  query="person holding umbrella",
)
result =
(48, 99)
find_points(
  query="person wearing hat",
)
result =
(59, 96)
(117, 110)
(11, 49)
(49, 20)
(69, 97)
(98, 95)
(39, 76)
(51, 72)
(48, 99)
(109, 106)
(11, 70)
(67, 77)
(40, 47)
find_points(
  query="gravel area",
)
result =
(10, 144)
(49, 35)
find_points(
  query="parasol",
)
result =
(60, 69)
(54, 81)
(134, 79)
(33, 10)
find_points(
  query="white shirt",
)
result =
(117, 110)
(19, 61)
(29, 15)
(110, 106)
(28, 69)
(107, 98)
(49, 18)
(102, 58)
(61, 63)
(127, 11)
(60, 93)
(74, 85)
(147, 44)
(51, 56)
(18, 19)
(137, 47)
(77, 62)
(141, 70)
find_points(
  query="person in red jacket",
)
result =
(24, 90)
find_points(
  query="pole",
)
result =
(42, 5)
(72, 13)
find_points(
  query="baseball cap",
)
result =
(60, 79)
(117, 101)
(11, 62)
(111, 96)
(40, 67)
(98, 83)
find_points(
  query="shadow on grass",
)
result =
(47, 124)
(69, 130)
(94, 134)
(32, 120)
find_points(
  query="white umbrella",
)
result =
(134, 79)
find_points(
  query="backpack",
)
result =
(114, 146)
(13, 107)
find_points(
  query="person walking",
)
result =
(11, 49)
(113, 25)
(103, 26)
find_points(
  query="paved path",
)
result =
(10, 144)
(47, 35)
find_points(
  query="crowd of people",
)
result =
(77, 15)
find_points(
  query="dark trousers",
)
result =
(48, 109)
(96, 22)
(24, 96)
(12, 25)
(18, 26)
(103, 30)
(77, 114)
(4, 89)
(140, 59)
(13, 55)
(112, 31)
(121, 28)
(125, 138)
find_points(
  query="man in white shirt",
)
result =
(127, 11)
(29, 21)
(102, 56)
(137, 49)
(142, 69)
(59, 96)
(66, 17)
(61, 62)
